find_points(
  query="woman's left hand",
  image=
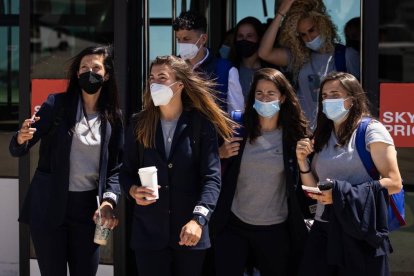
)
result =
(190, 234)
(325, 198)
(109, 219)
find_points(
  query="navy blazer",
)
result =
(188, 186)
(45, 203)
(297, 229)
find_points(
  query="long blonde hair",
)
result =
(197, 94)
(289, 37)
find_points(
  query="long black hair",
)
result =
(291, 117)
(108, 102)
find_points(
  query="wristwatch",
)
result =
(200, 220)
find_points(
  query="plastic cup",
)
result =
(101, 233)
(148, 177)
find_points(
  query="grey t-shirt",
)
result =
(260, 197)
(246, 78)
(343, 163)
(311, 74)
(168, 129)
(85, 153)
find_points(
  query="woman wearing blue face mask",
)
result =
(258, 213)
(309, 51)
(177, 133)
(334, 246)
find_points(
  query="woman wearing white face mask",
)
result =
(310, 49)
(177, 133)
(333, 247)
(258, 213)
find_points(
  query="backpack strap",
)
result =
(395, 200)
(340, 60)
(362, 151)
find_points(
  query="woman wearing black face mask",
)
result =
(81, 137)
(248, 33)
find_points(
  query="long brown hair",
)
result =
(291, 117)
(197, 94)
(358, 109)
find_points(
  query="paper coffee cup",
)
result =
(101, 233)
(148, 177)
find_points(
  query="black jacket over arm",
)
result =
(46, 201)
(185, 184)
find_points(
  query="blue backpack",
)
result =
(396, 209)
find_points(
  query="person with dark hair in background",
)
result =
(352, 31)
(258, 212)
(310, 49)
(248, 33)
(177, 133)
(191, 32)
(81, 133)
(350, 232)
(227, 44)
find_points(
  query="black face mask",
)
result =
(90, 82)
(245, 48)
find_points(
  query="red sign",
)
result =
(41, 88)
(397, 112)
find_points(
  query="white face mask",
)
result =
(334, 109)
(188, 50)
(316, 43)
(161, 94)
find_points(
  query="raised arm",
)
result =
(277, 56)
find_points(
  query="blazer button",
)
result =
(170, 165)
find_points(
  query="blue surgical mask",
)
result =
(334, 109)
(224, 51)
(266, 109)
(315, 44)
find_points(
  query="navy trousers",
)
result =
(268, 245)
(169, 262)
(70, 244)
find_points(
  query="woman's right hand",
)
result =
(285, 6)
(140, 194)
(304, 147)
(26, 132)
(231, 148)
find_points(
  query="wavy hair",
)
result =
(108, 102)
(359, 109)
(291, 117)
(197, 94)
(289, 37)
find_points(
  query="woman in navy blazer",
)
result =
(177, 133)
(81, 138)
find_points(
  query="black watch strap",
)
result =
(200, 220)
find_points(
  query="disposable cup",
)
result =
(148, 177)
(101, 233)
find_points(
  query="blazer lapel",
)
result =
(182, 124)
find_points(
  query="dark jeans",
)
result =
(169, 262)
(269, 246)
(71, 243)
